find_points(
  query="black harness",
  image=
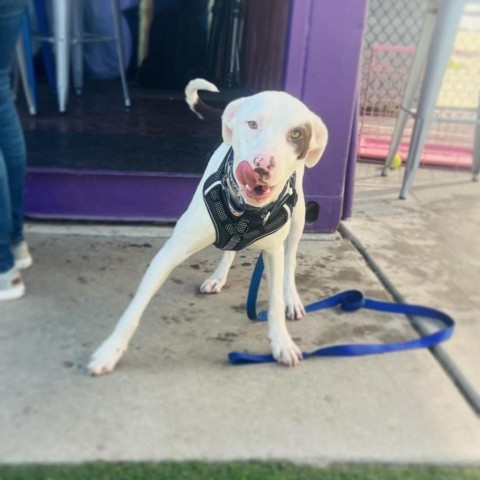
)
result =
(238, 225)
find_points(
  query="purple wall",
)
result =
(323, 61)
(323, 70)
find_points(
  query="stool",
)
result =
(68, 38)
(433, 50)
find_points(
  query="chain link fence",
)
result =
(393, 29)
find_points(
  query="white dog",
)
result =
(250, 195)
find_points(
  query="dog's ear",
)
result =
(228, 119)
(318, 141)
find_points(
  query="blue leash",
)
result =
(349, 301)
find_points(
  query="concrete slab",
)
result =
(174, 396)
(428, 247)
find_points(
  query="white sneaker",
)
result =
(22, 256)
(11, 285)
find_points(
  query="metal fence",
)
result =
(393, 28)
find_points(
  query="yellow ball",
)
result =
(397, 162)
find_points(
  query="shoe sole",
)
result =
(13, 293)
(24, 263)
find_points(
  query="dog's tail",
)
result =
(196, 104)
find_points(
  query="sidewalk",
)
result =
(174, 396)
(428, 248)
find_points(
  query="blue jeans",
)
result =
(12, 143)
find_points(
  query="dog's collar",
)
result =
(238, 225)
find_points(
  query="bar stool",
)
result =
(433, 50)
(68, 38)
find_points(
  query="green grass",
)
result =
(228, 471)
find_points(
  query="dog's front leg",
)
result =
(284, 349)
(178, 248)
(293, 304)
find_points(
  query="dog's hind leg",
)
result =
(178, 248)
(215, 282)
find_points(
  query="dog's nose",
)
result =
(265, 161)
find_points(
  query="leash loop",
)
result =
(352, 300)
(349, 301)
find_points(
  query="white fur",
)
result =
(275, 114)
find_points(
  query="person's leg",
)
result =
(12, 144)
(11, 285)
(6, 257)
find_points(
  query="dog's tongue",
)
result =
(246, 175)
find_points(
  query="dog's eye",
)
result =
(296, 133)
(252, 124)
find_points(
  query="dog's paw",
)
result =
(103, 361)
(284, 350)
(212, 285)
(294, 309)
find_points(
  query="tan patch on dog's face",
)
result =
(300, 137)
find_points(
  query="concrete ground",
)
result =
(174, 396)
(427, 246)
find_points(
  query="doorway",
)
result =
(159, 134)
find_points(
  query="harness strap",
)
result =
(349, 301)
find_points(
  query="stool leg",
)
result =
(43, 28)
(449, 14)
(413, 80)
(476, 146)
(25, 65)
(120, 49)
(62, 10)
(77, 45)
(22, 66)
